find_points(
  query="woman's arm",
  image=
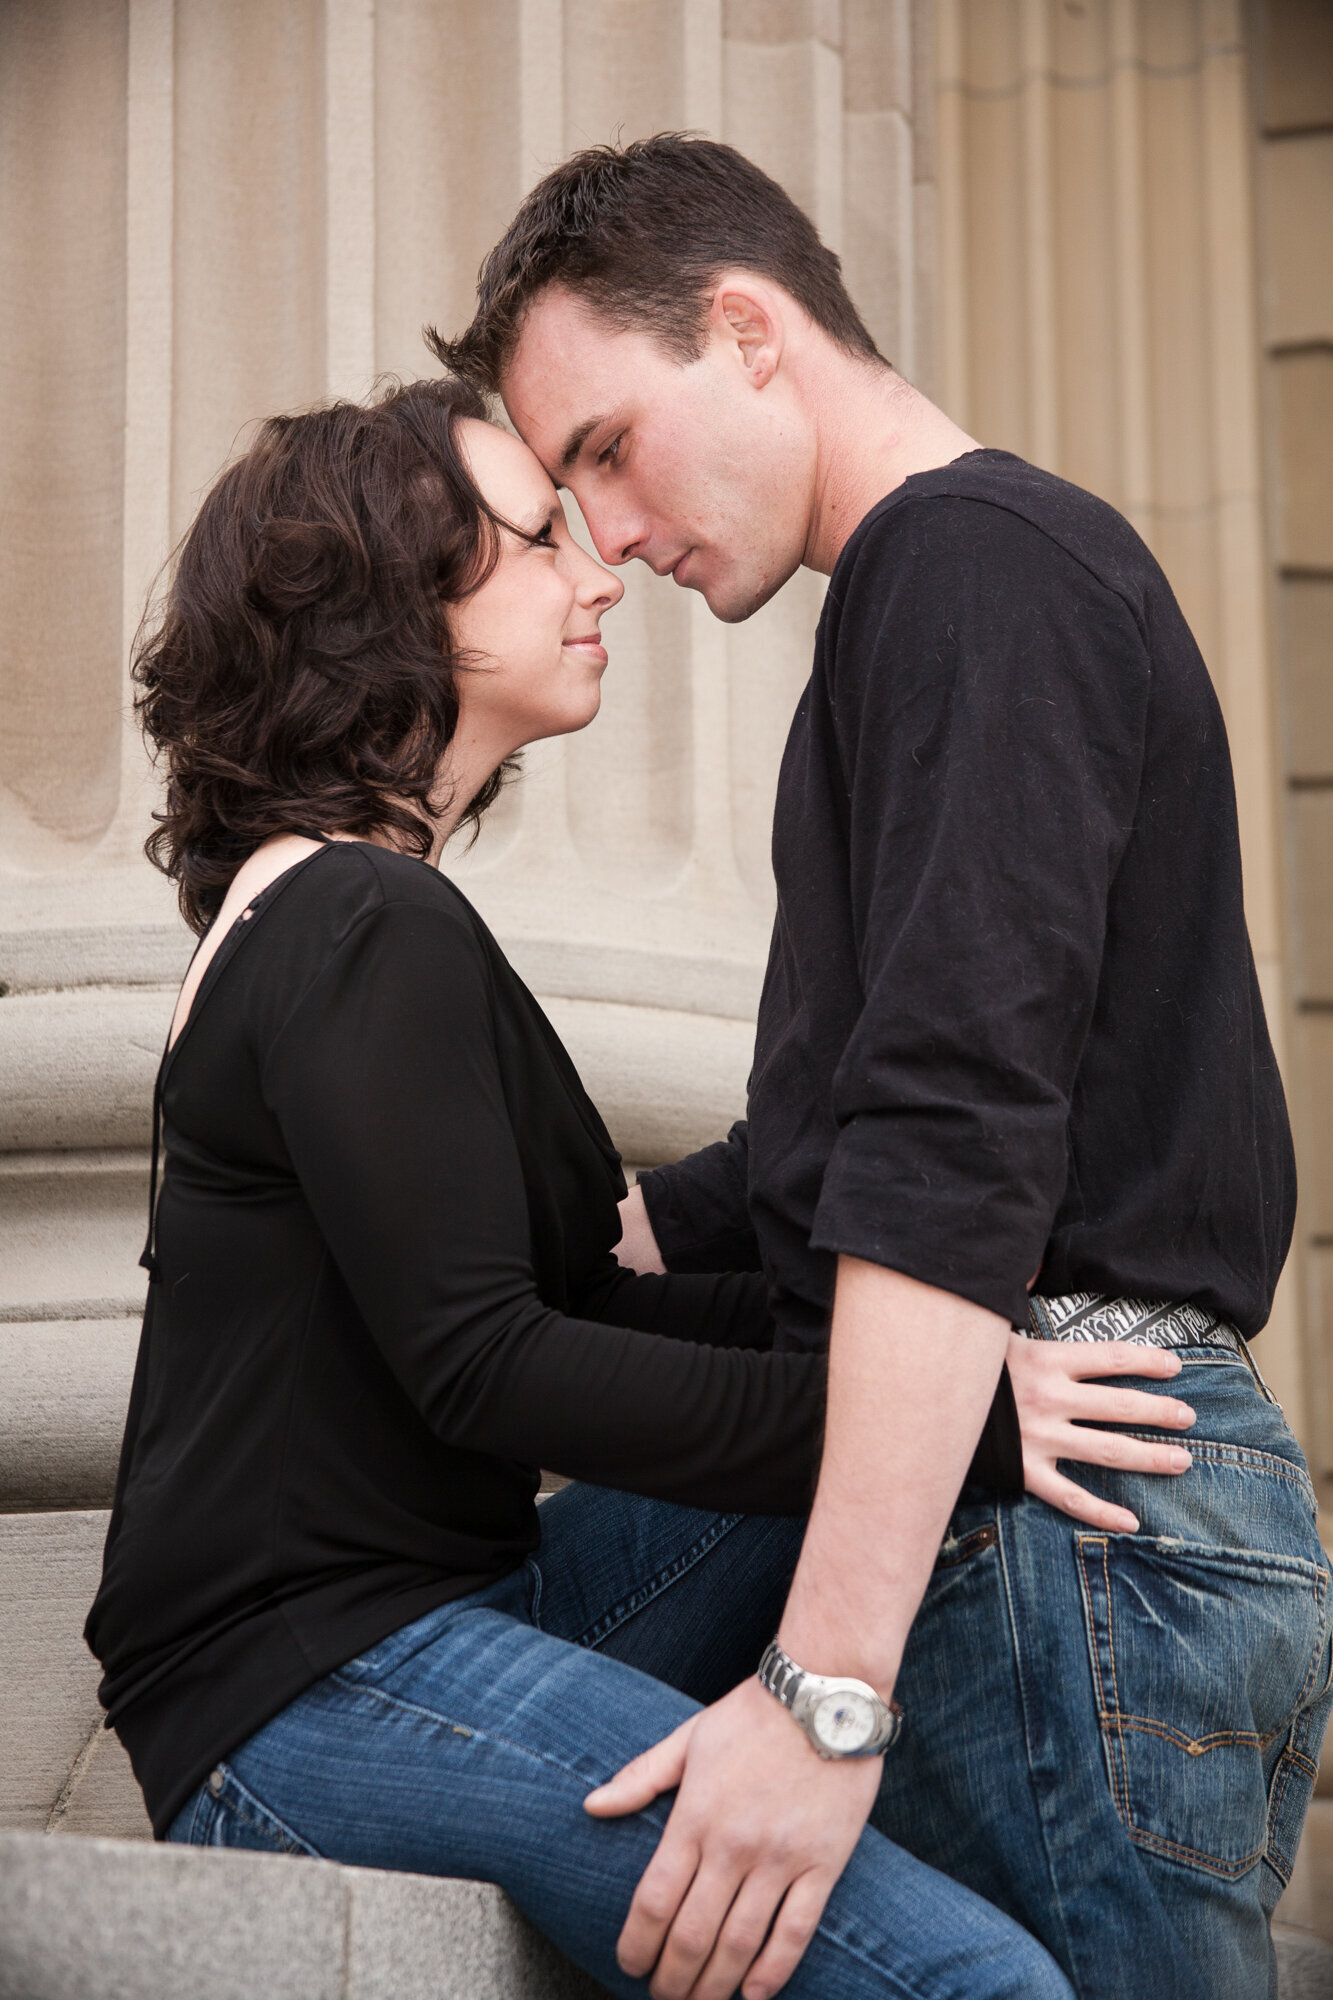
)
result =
(720, 1309)
(387, 1086)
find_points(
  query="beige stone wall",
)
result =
(1293, 108)
(1046, 209)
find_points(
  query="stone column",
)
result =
(210, 213)
(1293, 102)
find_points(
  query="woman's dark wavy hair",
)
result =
(300, 677)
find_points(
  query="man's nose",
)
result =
(618, 535)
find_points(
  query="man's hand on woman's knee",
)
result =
(760, 1831)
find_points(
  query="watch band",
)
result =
(830, 1707)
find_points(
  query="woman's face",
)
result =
(532, 629)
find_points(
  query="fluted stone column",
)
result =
(210, 213)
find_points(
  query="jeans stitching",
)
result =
(291, 1839)
(201, 1805)
(1177, 1850)
(1194, 1746)
(1112, 1739)
(619, 1614)
(472, 1733)
(1028, 1694)
(1234, 1454)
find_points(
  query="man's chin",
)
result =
(731, 602)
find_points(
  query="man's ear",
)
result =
(750, 322)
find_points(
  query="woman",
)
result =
(382, 1284)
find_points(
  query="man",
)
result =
(1010, 1036)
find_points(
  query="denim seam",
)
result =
(1176, 1850)
(1128, 1813)
(1291, 1761)
(610, 1621)
(1234, 1454)
(288, 1833)
(1195, 1746)
(201, 1805)
(1067, 1953)
(472, 1733)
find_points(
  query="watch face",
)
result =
(843, 1722)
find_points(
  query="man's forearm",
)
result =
(912, 1371)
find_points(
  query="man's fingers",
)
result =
(742, 1935)
(694, 1932)
(796, 1924)
(662, 1889)
(1052, 1486)
(644, 1778)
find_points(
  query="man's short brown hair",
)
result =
(642, 233)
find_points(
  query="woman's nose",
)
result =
(599, 590)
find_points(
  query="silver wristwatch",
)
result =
(842, 1718)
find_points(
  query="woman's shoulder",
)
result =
(356, 879)
(354, 896)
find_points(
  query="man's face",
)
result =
(690, 467)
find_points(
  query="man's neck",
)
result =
(873, 432)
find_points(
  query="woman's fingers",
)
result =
(796, 1923)
(1047, 1484)
(1085, 1358)
(642, 1780)
(1118, 1452)
(1092, 1403)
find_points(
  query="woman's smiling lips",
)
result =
(590, 646)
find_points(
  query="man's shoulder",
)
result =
(994, 510)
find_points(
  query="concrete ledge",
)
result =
(94, 1919)
(50, 1720)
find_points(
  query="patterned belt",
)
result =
(1150, 1322)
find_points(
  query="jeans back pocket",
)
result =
(1202, 1659)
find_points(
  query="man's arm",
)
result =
(760, 1820)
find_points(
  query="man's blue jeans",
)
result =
(466, 1743)
(1112, 1737)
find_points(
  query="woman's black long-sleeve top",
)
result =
(383, 1296)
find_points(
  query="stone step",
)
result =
(64, 1388)
(72, 1225)
(77, 1068)
(92, 1919)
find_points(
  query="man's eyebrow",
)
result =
(576, 440)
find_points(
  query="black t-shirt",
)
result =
(1010, 1023)
(384, 1296)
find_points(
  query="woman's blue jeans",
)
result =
(466, 1743)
